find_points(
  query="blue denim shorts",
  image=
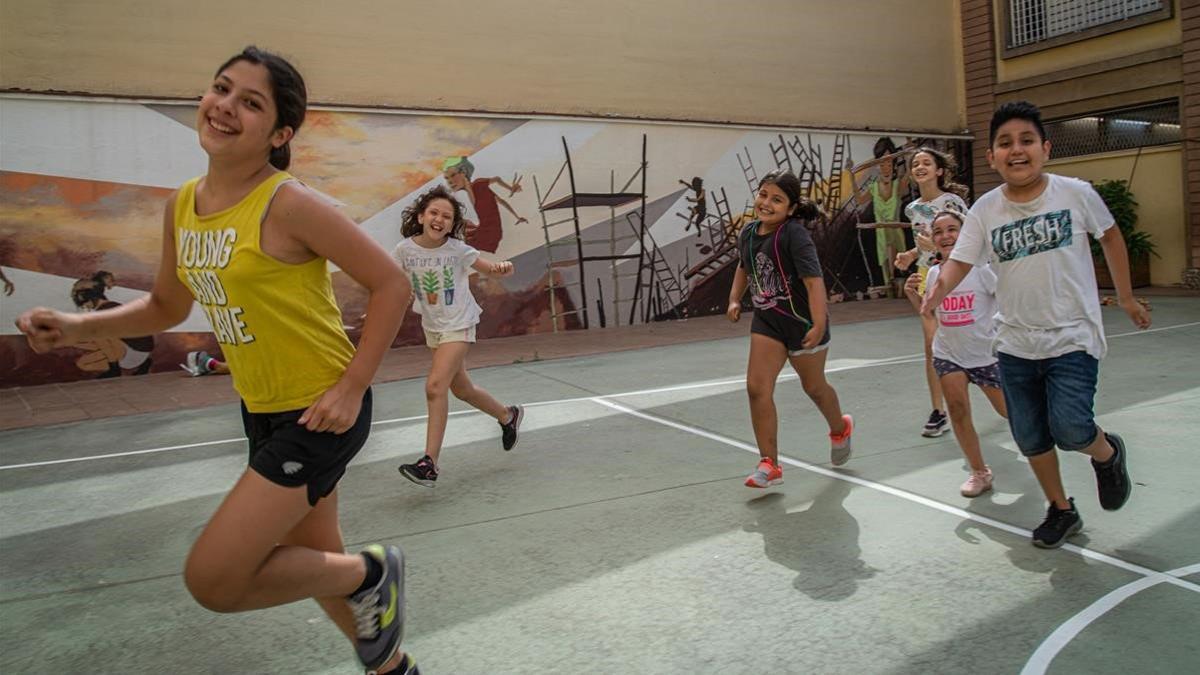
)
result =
(1050, 401)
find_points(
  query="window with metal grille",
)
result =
(1032, 21)
(1124, 129)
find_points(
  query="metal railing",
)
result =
(1031, 21)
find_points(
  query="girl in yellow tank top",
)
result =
(250, 244)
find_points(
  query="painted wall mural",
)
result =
(607, 223)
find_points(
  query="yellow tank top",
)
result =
(278, 324)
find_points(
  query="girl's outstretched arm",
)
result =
(499, 268)
(167, 304)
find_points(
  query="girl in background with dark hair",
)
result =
(433, 254)
(932, 172)
(778, 262)
(251, 244)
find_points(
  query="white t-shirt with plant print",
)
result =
(921, 214)
(441, 283)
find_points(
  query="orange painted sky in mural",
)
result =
(46, 215)
(371, 160)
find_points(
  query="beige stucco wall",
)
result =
(1157, 186)
(1136, 40)
(887, 64)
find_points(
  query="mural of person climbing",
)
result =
(698, 211)
(484, 231)
(109, 357)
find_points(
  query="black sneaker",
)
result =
(1112, 477)
(936, 426)
(509, 429)
(379, 611)
(1058, 525)
(423, 472)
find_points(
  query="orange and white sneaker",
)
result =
(839, 444)
(767, 474)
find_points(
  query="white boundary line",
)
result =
(896, 360)
(1052, 645)
(911, 358)
(1159, 577)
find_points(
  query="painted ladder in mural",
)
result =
(654, 284)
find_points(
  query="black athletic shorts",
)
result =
(787, 330)
(287, 454)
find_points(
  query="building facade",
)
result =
(1118, 82)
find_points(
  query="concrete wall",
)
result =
(888, 64)
(1157, 185)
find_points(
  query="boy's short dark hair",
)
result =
(1016, 110)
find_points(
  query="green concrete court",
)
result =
(617, 536)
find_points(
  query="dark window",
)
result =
(1124, 129)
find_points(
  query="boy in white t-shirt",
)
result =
(1049, 337)
(962, 348)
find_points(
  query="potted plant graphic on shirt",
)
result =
(448, 284)
(429, 284)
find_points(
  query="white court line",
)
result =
(1045, 653)
(396, 420)
(1159, 577)
(895, 360)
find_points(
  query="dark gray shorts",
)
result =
(984, 376)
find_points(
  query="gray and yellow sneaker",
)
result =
(379, 610)
(408, 666)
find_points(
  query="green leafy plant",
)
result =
(1120, 202)
(429, 281)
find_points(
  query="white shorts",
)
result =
(434, 338)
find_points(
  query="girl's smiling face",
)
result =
(771, 205)
(237, 116)
(944, 230)
(437, 220)
(924, 169)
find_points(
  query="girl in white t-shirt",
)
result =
(931, 172)
(439, 265)
(962, 349)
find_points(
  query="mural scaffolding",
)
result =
(626, 240)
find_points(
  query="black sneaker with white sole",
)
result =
(423, 472)
(1058, 525)
(936, 426)
(509, 429)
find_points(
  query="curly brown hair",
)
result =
(948, 166)
(410, 226)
